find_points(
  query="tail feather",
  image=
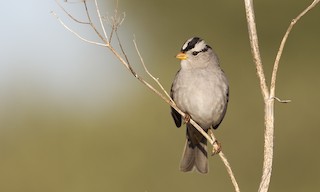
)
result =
(188, 158)
(201, 157)
(195, 152)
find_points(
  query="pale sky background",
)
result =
(37, 53)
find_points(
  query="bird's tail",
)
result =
(195, 152)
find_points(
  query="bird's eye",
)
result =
(195, 53)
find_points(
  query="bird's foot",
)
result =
(216, 146)
(187, 118)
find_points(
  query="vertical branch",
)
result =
(268, 96)
(254, 43)
(268, 145)
(269, 103)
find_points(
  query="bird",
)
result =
(201, 90)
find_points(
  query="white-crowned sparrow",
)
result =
(201, 90)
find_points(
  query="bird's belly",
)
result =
(204, 105)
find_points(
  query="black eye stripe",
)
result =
(203, 50)
(206, 48)
(195, 53)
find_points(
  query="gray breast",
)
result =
(202, 93)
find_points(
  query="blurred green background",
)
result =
(73, 119)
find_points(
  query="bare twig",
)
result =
(121, 47)
(229, 170)
(147, 71)
(100, 19)
(280, 100)
(93, 26)
(268, 95)
(75, 33)
(283, 42)
(71, 16)
(116, 22)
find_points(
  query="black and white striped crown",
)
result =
(196, 45)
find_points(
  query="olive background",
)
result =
(72, 118)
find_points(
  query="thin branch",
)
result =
(230, 172)
(280, 100)
(283, 42)
(126, 65)
(93, 26)
(100, 19)
(66, 12)
(115, 21)
(253, 36)
(75, 33)
(121, 47)
(87, 12)
(113, 25)
(147, 71)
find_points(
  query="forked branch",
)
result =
(268, 95)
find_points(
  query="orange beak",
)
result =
(182, 56)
